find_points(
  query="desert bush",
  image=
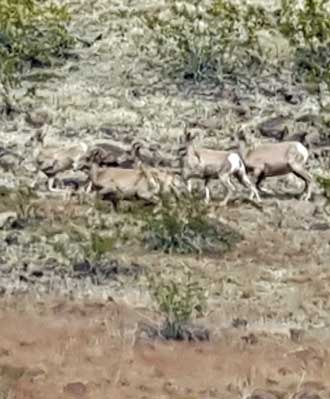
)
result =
(219, 38)
(185, 227)
(206, 39)
(306, 25)
(324, 182)
(31, 34)
(180, 297)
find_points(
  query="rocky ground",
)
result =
(72, 327)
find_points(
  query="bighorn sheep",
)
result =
(276, 159)
(151, 155)
(207, 164)
(53, 159)
(119, 183)
(105, 157)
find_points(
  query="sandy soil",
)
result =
(94, 350)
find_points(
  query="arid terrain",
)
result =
(72, 329)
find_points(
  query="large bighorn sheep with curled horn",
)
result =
(207, 164)
(275, 159)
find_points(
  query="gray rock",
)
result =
(7, 219)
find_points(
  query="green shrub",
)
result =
(31, 34)
(179, 296)
(324, 183)
(204, 40)
(307, 27)
(185, 228)
(219, 38)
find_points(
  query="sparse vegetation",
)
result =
(186, 228)
(180, 297)
(324, 183)
(219, 38)
(32, 33)
(206, 40)
(307, 27)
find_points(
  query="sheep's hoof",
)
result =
(305, 198)
(267, 192)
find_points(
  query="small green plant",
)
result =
(307, 26)
(185, 227)
(206, 40)
(220, 38)
(324, 183)
(180, 297)
(32, 33)
(93, 245)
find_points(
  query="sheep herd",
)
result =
(139, 171)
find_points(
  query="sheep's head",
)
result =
(136, 148)
(37, 138)
(95, 155)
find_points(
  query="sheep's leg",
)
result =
(207, 191)
(228, 185)
(189, 186)
(51, 182)
(112, 197)
(175, 192)
(299, 171)
(243, 178)
(89, 187)
(52, 189)
(260, 178)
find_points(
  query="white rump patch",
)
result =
(303, 151)
(235, 162)
(84, 146)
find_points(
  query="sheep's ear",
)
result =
(188, 136)
(97, 154)
(136, 146)
(40, 135)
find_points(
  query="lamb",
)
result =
(151, 155)
(52, 159)
(207, 164)
(121, 183)
(105, 157)
(276, 159)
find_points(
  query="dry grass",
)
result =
(94, 349)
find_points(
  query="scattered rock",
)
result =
(275, 127)
(38, 118)
(75, 389)
(8, 219)
(250, 339)
(263, 394)
(103, 271)
(306, 395)
(82, 268)
(35, 271)
(11, 239)
(296, 334)
(292, 95)
(184, 332)
(319, 226)
(175, 331)
(238, 322)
